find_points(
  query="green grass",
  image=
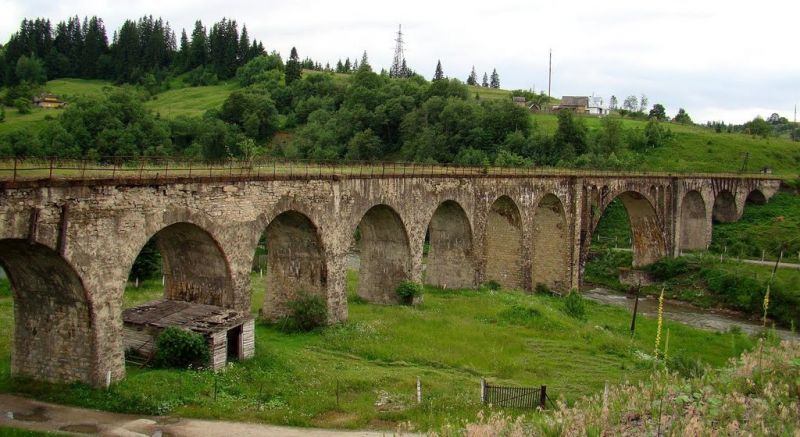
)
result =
(69, 89)
(699, 149)
(450, 341)
(770, 228)
(489, 93)
(190, 101)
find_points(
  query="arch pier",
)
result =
(68, 246)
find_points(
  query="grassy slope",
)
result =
(695, 148)
(190, 101)
(450, 341)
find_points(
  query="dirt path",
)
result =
(25, 413)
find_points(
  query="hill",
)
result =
(692, 148)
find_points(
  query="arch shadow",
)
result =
(451, 260)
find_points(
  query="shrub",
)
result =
(575, 305)
(307, 312)
(668, 268)
(2, 114)
(407, 291)
(685, 366)
(23, 105)
(176, 347)
(492, 285)
(542, 289)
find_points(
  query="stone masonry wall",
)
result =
(95, 229)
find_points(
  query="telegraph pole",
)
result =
(550, 73)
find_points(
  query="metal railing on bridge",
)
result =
(163, 168)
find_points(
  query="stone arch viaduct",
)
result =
(68, 246)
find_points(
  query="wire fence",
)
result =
(160, 168)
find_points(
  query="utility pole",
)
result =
(550, 73)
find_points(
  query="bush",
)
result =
(542, 289)
(307, 312)
(176, 347)
(575, 305)
(2, 114)
(668, 268)
(685, 366)
(23, 105)
(407, 291)
(492, 285)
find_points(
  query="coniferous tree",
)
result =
(485, 82)
(244, 47)
(182, 59)
(95, 45)
(404, 71)
(293, 68)
(472, 79)
(339, 66)
(198, 49)
(439, 74)
(495, 83)
(365, 62)
(347, 67)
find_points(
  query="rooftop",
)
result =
(197, 317)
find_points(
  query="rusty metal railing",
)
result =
(160, 168)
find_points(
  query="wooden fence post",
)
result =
(483, 390)
(419, 391)
(542, 396)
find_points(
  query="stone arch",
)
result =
(194, 265)
(451, 259)
(724, 210)
(295, 262)
(385, 254)
(551, 246)
(756, 197)
(694, 222)
(53, 327)
(646, 233)
(503, 243)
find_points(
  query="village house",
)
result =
(48, 101)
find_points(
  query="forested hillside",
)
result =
(216, 94)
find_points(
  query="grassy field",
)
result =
(693, 148)
(363, 373)
(190, 101)
(699, 149)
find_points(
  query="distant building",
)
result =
(581, 105)
(48, 101)
(520, 101)
(576, 104)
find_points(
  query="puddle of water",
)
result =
(713, 320)
(83, 428)
(37, 415)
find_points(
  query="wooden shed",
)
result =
(230, 334)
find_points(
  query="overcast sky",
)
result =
(721, 60)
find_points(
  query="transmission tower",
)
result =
(398, 63)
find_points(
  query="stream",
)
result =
(703, 318)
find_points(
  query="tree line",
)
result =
(140, 50)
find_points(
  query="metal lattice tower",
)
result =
(397, 69)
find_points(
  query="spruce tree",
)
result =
(365, 63)
(339, 66)
(485, 82)
(473, 77)
(244, 47)
(347, 67)
(404, 71)
(495, 83)
(439, 74)
(183, 53)
(198, 48)
(293, 68)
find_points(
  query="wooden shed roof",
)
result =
(197, 317)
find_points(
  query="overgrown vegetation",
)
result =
(407, 291)
(756, 394)
(306, 313)
(372, 362)
(181, 348)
